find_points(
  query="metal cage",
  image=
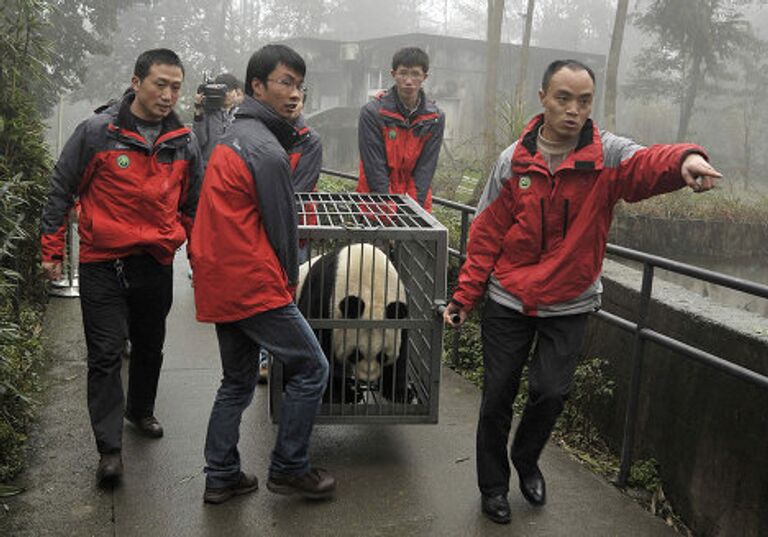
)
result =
(371, 287)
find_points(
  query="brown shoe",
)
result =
(245, 484)
(148, 425)
(317, 484)
(110, 469)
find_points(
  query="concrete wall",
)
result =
(668, 238)
(708, 431)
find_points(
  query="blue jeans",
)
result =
(285, 334)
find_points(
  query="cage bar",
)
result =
(379, 327)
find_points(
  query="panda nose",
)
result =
(358, 355)
(355, 356)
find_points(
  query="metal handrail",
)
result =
(639, 329)
(739, 284)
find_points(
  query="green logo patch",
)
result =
(525, 182)
(392, 134)
(123, 161)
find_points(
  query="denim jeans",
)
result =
(288, 337)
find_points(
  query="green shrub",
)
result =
(24, 168)
(718, 205)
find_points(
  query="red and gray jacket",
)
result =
(244, 247)
(398, 151)
(133, 197)
(306, 157)
(538, 238)
(210, 126)
(306, 161)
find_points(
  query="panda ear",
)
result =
(351, 307)
(397, 310)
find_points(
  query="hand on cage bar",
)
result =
(379, 211)
(454, 316)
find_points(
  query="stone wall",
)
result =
(708, 431)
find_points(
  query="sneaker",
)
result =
(245, 484)
(316, 484)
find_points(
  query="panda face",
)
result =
(367, 286)
(364, 285)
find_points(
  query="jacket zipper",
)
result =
(543, 226)
(566, 203)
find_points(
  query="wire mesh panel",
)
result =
(373, 277)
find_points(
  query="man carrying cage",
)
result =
(535, 253)
(244, 251)
(400, 133)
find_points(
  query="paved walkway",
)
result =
(416, 480)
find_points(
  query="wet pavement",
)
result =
(398, 480)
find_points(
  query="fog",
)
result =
(692, 70)
(219, 35)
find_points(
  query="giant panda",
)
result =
(357, 281)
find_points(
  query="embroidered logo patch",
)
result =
(392, 134)
(525, 182)
(123, 161)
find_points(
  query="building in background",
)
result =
(342, 76)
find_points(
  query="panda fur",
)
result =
(357, 282)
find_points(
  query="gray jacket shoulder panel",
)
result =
(617, 149)
(270, 171)
(500, 173)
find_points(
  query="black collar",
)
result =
(286, 134)
(126, 120)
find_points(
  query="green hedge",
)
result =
(24, 168)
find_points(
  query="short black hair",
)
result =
(555, 66)
(229, 80)
(265, 60)
(410, 57)
(155, 56)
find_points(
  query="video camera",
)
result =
(213, 94)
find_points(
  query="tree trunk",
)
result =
(612, 68)
(522, 73)
(493, 44)
(747, 141)
(222, 42)
(689, 99)
(495, 15)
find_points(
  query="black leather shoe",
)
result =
(496, 508)
(246, 483)
(533, 488)
(317, 484)
(110, 469)
(148, 425)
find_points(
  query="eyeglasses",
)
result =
(289, 84)
(413, 74)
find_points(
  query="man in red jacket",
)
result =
(535, 252)
(244, 252)
(136, 172)
(400, 133)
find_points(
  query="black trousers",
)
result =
(507, 339)
(130, 301)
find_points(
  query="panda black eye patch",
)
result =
(397, 310)
(351, 307)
